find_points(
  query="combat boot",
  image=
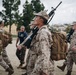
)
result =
(10, 66)
(10, 71)
(68, 73)
(24, 67)
(21, 64)
(62, 67)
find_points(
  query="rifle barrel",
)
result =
(53, 12)
(58, 5)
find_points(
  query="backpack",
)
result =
(59, 47)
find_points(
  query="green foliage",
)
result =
(27, 15)
(29, 9)
(18, 20)
(11, 12)
(37, 6)
(11, 9)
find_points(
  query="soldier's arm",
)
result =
(6, 36)
(17, 41)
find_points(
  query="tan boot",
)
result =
(10, 71)
(24, 67)
(10, 66)
(62, 67)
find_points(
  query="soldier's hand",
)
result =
(74, 48)
(5, 36)
(19, 47)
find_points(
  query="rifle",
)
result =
(28, 40)
(69, 35)
(52, 13)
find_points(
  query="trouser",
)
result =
(65, 62)
(4, 60)
(5, 56)
(3, 63)
(71, 58)
(69, 64)
(21, 54)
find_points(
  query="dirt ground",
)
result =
(11, 50)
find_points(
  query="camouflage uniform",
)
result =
(39, 54)
(0, 46)
(4, 60)
(3, 63)
(71, 57)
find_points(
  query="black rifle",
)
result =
(69, 35)
(52, 13)
(28, 40)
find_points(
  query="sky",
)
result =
(65, 13)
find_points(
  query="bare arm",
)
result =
(17, 41)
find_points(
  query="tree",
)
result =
(18, 20)
(29, 9)
(27, 15)
(11, 8)
(37, 5)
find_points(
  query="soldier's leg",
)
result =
(18, 53)
(6, 59)
(69, 64)
(5, 66)
(2, 63)
(22, 55)
(26, 59)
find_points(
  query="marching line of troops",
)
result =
(39, 60)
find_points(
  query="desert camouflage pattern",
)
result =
(73, 40)
(71, 57)
(4, 60)
(0, 46)
(39, 54)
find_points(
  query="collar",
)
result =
(44, 26)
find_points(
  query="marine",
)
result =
(39, 61)
(4, 41)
